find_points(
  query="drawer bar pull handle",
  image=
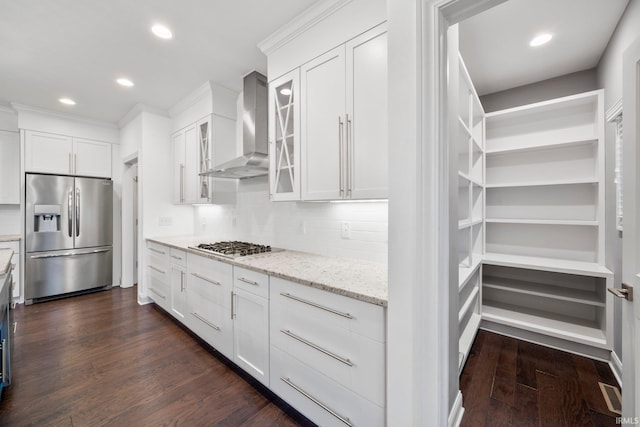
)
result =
(322, 307)
(157, 251)
(156, 269)
(205, 321)
(176, 257)
(317, 347)
(251, 282)
(157, 293)
(206, 279)
(290, 383)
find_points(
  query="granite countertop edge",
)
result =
(374, 297)
(10, 237)
(5, 261)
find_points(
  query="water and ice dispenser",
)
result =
(46, 218)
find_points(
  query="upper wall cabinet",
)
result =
(284, 137)
(9, 168)
(65, 155)
(344, 121)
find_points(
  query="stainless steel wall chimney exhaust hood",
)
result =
(255, 160)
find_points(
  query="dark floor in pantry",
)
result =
(508, 382)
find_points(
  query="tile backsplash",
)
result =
(305, 226)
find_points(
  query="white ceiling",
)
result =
(77, 48)
(495, 43)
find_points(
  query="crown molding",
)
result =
(301, 23)
(614, 111)
(8, 110)
(28, 108)
(204, 90)
(137, 110)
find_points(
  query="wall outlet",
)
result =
(345, 231)
(166, 221)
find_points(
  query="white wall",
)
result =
(9, 214)
(305, 226)
(610, 78)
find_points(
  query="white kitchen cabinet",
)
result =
(178, 261)
(284, 137)
(330, 347)
(15, 266)
(250, 312)
(66, 155)
(184, 167)
(9, 168)
(209, 286)
(159, 275)
(344, 121)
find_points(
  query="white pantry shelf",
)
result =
(548, 323)
(465, 273)
(469, 304)
(466, 223)
(585, 223)
(551, 106)
(547, 264)
(544, 290)
(543, 183)
(542, 146)
(466, 338)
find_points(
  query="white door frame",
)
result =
(422, 381)
(631, 236)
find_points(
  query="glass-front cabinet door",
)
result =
(284, 137)
(204, 159)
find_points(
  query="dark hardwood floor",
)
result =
(101, 359)
(507, 382)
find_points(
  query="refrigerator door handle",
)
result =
(69, 254)
(70, 211)
(77, 212)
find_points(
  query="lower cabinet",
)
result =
(250, 311)
(15, 266)
(158, 275)
(178, 283)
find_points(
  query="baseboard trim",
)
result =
(616, 367)
(455, 416)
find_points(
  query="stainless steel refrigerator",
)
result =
(68, 235)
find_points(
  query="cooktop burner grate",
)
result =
(234, 249)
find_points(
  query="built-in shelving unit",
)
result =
(544, 258)
(469, 137)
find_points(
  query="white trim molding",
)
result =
(616, 367)
(301, 23)
(455, 416)
(137, 110)
(186, 102)
(614, 111)
(21, 107)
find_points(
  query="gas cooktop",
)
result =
(234, 249)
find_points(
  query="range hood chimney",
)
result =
(255, 160)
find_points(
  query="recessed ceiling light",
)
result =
(67, 101)
(124, 82)
(540, 39)
(285, 91)
(162, 31)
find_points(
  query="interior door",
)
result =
(631, 234)
(94, 212)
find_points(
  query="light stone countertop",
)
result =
(5, 261)
(359, 279)
(9, 237)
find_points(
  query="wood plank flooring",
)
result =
(507, 382)
(102, 360)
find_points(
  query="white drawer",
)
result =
(320, 399)
(211, 322)
(178, 256)
(353, 360)
(158, 250)
(251, 281)
(158, 288)
(210, 279)
(323, 309)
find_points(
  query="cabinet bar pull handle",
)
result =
(348, 162)
(70, 169)
(206, 279)
(290, 383)
(340, 128)
(70, 210)
(251, 282)
(176, 257)
(182, 281)
(232, 305)
(156, 269)
(205, 321)
(5, 352)
(157, 251)
(322, 307)
(75, 163)
(157, 293)
(181, 182)
(317, 347)
(625, 293)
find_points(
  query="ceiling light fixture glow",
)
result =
(285, 91)
(540, 39)
(161, 31)
(124, 82)
(67, 101)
